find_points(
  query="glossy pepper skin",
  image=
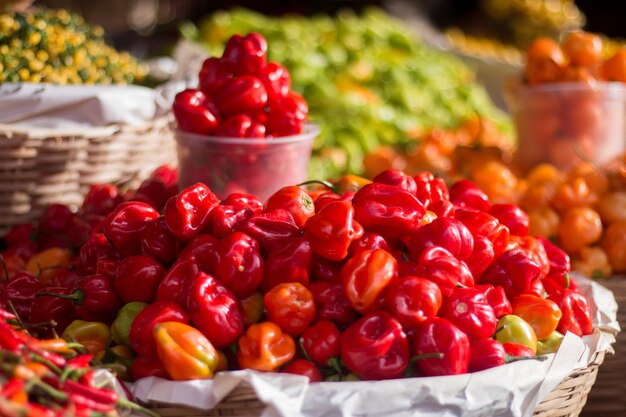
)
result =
(201, 250)
(271, 229)
(94, 336)
(194, 112)
(366, 276)
(159, 242)
(541, 313)
(387, 210)
(497, 299)
(293, 199)
(290, 263)
(141, 339)
(187, 214)
(20, 290)
(469, 310)
(51, 307)
(177, 281)
(438, 335)
(369, 241)
(265, 347)
(321, 342)
(125, 226)
(439, 266)
(184, 351)
(291, 306)
(96, 246)
(430, 189)
(482, 256)
(484, 224)
(398, 179)
(411, 300)
(486, 354)
(444, 232)
(137, 278)
(331, 230)
(120, 328)
(226, 219)
(215, 311)
(375, 347)
(239, 264)
(144, 366)
(513, 217)
(576, 316)
(331, 303)
(514, 270)
(245, 54)
(512, 328)
(466, 194)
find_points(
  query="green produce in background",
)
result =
(368, 80)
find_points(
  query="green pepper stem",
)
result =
(509, 359)
(326, 184)
(134, 406)
(77, 296)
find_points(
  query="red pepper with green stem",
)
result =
(489, 353)
(48, 308)
(215, 311)
(469, 310)
(321, 342)
(437, 335)
(366, 276)
(293, 199)
(375, 347)
(387, 210)
(438, 265)
(332, 230)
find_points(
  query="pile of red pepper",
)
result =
(242, 95)
(371, 280)
(50, 378)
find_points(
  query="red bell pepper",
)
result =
(331, 303)
(483, 224)
(226, 219)
(438, 265)
(141, 338)
(513, 217)
(202, 250)
(96, 246)
(290, 263)
(411, 300)
(213, 74)
(398, 179)
(496, 297)
(321, 342)
(469, 310)
(50, 307)
(159, 242)
(245, 54)
(291, 306)
(239, 264)
(20, 290)
(125, 226)
(323, 269)
(244, 200)
(293, 199)
(272, 229)
(137, 278)
(332, 230)
(437, 335)
(576, 315)
(215, 311)
(387, 210)
(466, 194)
(265, 347)
(444, 232)
(482, 256)
(187, 214)
(286, 115)
(514, 270)
(369, 241)
(365, 278)
(194, 112)
(559, 260)
(330, 196)
(375, 347)
(177, 281)
(541, 313)
(430, 189)
(275, 78)
(305, 368)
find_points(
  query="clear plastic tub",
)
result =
(566, 123)
(245, 165)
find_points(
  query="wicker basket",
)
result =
(41, 166)
(565, 400)
(608, 398)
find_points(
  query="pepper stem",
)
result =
(326, 184)
(409, 370)
(509, 359)
(77, 296)
(134, 406)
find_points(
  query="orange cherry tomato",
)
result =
(615, 245)
(612, 207)
(497, 181)
(614, 68)
(544, 222)
(544, 61)
(593, 263)
(574, 193)
(583, 49)
(580, 227)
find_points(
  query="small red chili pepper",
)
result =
(213, 74)
(331, 303)
(202, 250)
(271, 229)
(187, 214)
(482, 256)
(496, 297)
(291, 306)
(514, 270)
(365, 278)
(321, 342)
(125, 226)
(293, 199)
(215, 311)
(226, 219)
(305, 368)
(329, 196)
(517, 349)
(323, 269)
(387, 210)
(439, 266)
(469, 310)
(438, 336)
(411, 300)
(137, 278)
(20, 290)
(275, 78)
(101, 199)
(466, 194)
(481, 223)
(430, 189)
(239, 264)
(244, 200)
(50, 307)
(286, 115)
(195, 112)
(444, 232)
(375, 347)
(290, 263)
(369, 241)
(177, 281)
(576, 316)
(145, 365)
(332, 230)
(559, 260)
(240, 126)
(159, 242)
(398, 179)
(245, 54)
(96, 246)
(512, 217)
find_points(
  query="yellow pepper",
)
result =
(184, 351)
(46, 264)
(93, 335)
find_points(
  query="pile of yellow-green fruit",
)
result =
(57, 46)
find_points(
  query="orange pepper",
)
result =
(580, 227)
(542, 314)
(54, 345)
(350, 183)
(544, 222)
(184, 351)
(593, 262)
(93, 335)
(265, 347)
(46, 264)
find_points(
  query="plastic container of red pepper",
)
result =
(253, 166)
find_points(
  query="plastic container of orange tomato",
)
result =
(568, 122)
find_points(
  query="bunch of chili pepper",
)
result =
(402, 275)
(50, 377)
